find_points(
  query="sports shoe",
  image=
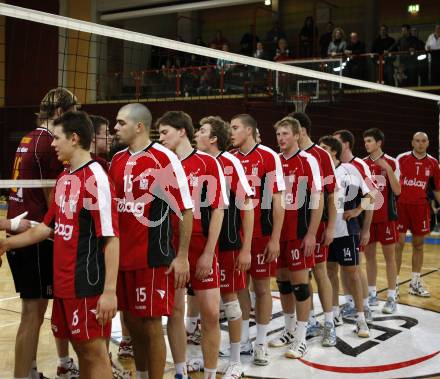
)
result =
(329, 338)
(37, 375)
(246, 348)
(234, 370)
(313, 330)
(125, 350)
(195, 337)
(297, 349)
(194, 365)
(119, 372)
(373, 301)
(418, 289)
(348, 310)
(285, 338)
(260, 355)
(180, 376)
(69, 371)
(390, 306)
(362, 329)
(338, 320)
(368, 314)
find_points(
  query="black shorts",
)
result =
(345, 251)
(32, 270)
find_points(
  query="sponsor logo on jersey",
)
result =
(414, 183)
(134, 207)
(64, 231)
(161, 293)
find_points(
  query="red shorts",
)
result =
(196, 247)
(415, 217)
(384, 232)
(75, 319)
(321, 251)
(293, 257)
(259, 268)
(230, 279)
(147, 292)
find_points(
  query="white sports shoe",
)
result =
(297, 349)
(283, 339)
(234, 370)
(260, 355)
(418, 289)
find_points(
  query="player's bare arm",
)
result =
(107, 303)
(394, 181)
(272, 250)
(204, 263)
(330, 228)
(317, 206)
(243, 262)
(180, 264)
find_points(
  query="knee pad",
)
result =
(301, 291)
(232, 310)
(285, 287)
(190, 291)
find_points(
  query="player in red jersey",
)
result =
(303, 214)
(208, 191)
(101, 142)
(235, 239)
(418, 171)
(83, 219)
(33, 273)
(346, 138)
(383, 228)
(265, 175)
(150, 187)
(325, 232)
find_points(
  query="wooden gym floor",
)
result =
(47, 360)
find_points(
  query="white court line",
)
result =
(10, 324)
(10, 298)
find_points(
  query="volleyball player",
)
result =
(383, 228)
(150, 186)
(418, 172)
(235, 239)
(264, 173)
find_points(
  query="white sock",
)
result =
(64, 361)
(235, 352)
(141, 374)
(328, 317)
(415, 277)
(366, 305)
(126, 339)
(181, 369)
(301, 330)
(312, 317)
(210, 373)
(392, 293)
(261, 334)
(361, 316)
(191, 324)
(336, 311)
(244, 331)
(289, 321)
(372, 290)
(349, 299)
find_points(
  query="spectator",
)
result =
(355, 67)
(283, 52)
(260, 52)
(199, 41)
(381, 45)
(273, 36)
(325, 39)
(405, 73)
(338, 45)
(433, 46)
(248, 41)
(219, 40)
(307, 37)
(223, 63)
(422, 68)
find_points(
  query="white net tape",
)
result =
(27, 183)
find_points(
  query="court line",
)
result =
(10, 298)
(9, 324)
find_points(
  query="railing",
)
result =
(401, 69)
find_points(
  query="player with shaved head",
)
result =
(419, 172)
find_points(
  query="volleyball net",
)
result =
(106, 67)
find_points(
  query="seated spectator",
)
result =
(356, 65)
(272, 37)
(433, 46)
(219, 40)
(338, 45)
(307, 37)
(248, 41)
(260, 53)
(382, 45)
(283, 52)
(325, 39)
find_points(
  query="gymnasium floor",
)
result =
(427, 329)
